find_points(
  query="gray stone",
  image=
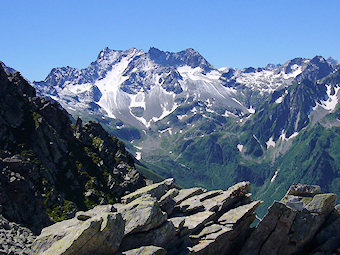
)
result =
(207, 231)
(299, 189)
(178, 223)
(235, 215)
(197, 221)
(285, 230)
(271, 232)
(296, 202)
(100, 234)
(156, 190)
(213, 243)
(227, 199)
(161, 236)
(95, 211)
(198, 203)
(187, 193)
(146, 250)
(167, 201)
(142, 214)
(322, 203)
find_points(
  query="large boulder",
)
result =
(142, 214)
(327, 240)
(101, 234)
(188, 193)
(291, 224)
(156, 190)
(228, 235)
(161, 236)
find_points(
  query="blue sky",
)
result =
(37, 35)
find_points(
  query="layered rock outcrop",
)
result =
(160, 219)
(157, 219)
(292, 224)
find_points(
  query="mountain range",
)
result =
(210, 127)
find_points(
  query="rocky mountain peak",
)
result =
(332, 61)
(315, 69)
(189, 57)
(7, 69)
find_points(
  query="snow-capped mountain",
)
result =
(273, 77)
(137, 87)
(140, 88)
(213, 127)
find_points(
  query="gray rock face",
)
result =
(161, 236)
(167, 202)
(142, 215)
(156, 190)
(327, 241)
(291, 225)
(101, 234)
(146, 250)
(299, 189)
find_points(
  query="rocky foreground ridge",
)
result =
(160, 219)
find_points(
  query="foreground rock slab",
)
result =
(101, 234)
(146, 250)
(290, 225)
(161, 219)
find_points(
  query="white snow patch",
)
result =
(109, 86)
(166, 130)
(293, 135)
(296, 71)
(240, 147)
(251, 110)
(270, 143)
(180, 117)
(137, 147)
(228, 114)
(284, 138)
(223, 69)
(275, 175)
(195, 74)
(193, 110)
(138, 155)
(280, 99)
(332, 101)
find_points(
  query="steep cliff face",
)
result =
(51, 168)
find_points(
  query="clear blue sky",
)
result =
(37, 35)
